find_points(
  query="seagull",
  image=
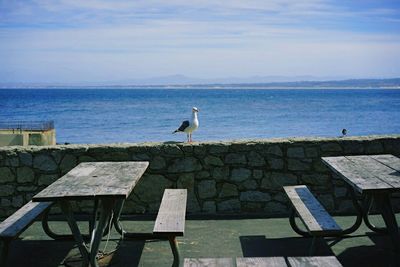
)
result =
(189, 126)
(344, 132)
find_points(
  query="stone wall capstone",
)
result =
(240, 177)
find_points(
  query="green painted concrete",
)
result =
(207, 238)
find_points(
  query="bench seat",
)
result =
(14, 225)
(170, 221)
(208, 262)
(314, 216)
(171, 214)
(322, 261)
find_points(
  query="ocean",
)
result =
(88, 116)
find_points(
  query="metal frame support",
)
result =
(175, 251)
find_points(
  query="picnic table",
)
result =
(375, 178)
(108, 184)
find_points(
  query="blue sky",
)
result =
(95, 41)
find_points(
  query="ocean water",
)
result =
(143, 115)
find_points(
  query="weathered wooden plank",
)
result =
(323, 261)
(208, 262)
(377, 169)
(89, 180)
(388, 160)
(314, 216)
(358, 178)
(22, 218)
(171, 215)
(261, 262)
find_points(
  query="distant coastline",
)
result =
(393, 83)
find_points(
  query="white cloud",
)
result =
(104, 40)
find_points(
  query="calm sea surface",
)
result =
(139, 115)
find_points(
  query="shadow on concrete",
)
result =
(127, 254)
(260, 246)
(38, 252)
(379, 254)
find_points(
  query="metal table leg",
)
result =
(107, 206)
(385, 207)
(367, 207)
(67, 210)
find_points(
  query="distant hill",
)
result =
(181, 82)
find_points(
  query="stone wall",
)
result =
(221, 177)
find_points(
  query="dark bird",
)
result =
(344, 132)
(189, 127)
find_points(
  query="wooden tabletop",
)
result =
(367, 173)
(91, 180)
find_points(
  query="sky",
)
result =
(95, 41)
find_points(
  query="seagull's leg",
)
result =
(188, 138)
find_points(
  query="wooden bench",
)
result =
(208, 262)
(322, 261)
(315, 218)
(170, 220)
(14, 225)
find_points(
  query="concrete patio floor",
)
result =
(203, 239)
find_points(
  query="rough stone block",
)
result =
(315, 179)
(85, 158)
(298, 165)
(200, 150)
(275, 164)
(252, 206)
(213, 161)
(5, 202)
(374, 147)
(311, 152)
(173, 150)
(28, 188)
(44, 162)
(25, 159)
(234, 158)
(25, 175)
(331, 147)
(295, 152)
(248, 185)
(203, 175)
(276, 208)
(6, 190)
(12, 161)
(255, 196)
(188, 164)
(340, 192)
(209, 207)
(255, 159)
(17, 201)
(275, 180)
(157, 163)
(47, 179)
(6, 175)
(228, 190)
(240, 174)
(230, 205)
(218, 149)
(275, 150)
(151, 188)
(206, 189)
(68, 163)
(258, 174)
(221, 173)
